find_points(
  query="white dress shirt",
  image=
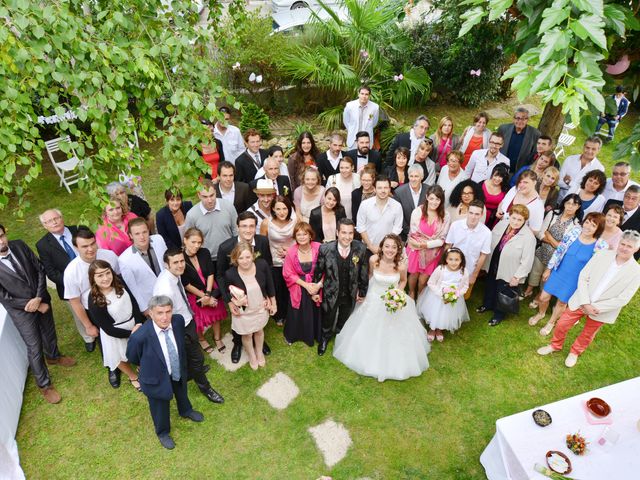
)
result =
(68, 238)
(415, 143)
(573, 167)
(229, 196)
(472, 242)
(335, 161)
(8, 263)
(76, 276)
(167, 284)
(232, 142)
(377, 223)
(478, 169)
(415, 195)
(163, 345)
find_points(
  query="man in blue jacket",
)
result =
(158, 347)
(610, 118)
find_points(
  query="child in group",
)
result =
(442, 304)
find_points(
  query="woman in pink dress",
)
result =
(113, 233)
(428, 228)
(202, 290)
(444, 141)
(494, 189)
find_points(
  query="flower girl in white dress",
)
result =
(377, 342)
(442, 303)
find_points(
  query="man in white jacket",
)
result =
(606, 284)
(360, 115)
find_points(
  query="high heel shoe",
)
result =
(222, 348)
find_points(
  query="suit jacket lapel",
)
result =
(53, 241)
(155, 343)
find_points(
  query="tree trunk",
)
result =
(552, 121)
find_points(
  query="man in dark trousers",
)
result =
(247, 233)
(157, 346)
(343, 265)
(23, 293)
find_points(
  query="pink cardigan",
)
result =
(292, 271)
(110, 237)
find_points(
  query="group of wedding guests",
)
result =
(324, 244)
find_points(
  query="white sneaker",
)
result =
(546, 350)
(571, 360)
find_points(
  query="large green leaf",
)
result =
(556, 39)
(553, 16)
(590, 26)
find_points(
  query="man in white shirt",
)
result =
(482, 161)
(361, 114)
(410, 140)
(230, 136)
(473, 238)
(276, 152)
(236, 193)
(76, 276)
(168, 283)
(575, 167)
(619, 182)
(281, 183)
(142, 262)
(379, 216)
(606, 284)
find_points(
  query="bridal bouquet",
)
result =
(394, 299)
(450, 295)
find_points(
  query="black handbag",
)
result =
(508, 300)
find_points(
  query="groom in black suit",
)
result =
(343, 265)
(157, 346)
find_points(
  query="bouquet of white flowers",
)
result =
(450, 295)
(394, 299)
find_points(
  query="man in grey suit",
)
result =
(23, 293)
(520, 140)
(411, 195)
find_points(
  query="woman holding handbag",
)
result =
(512, 250)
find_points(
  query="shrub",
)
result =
(255, 117)
(450, 60)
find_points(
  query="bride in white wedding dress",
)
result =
(378, 343)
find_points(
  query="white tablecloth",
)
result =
(519, 443)
(13, 372)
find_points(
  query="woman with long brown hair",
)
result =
(114, 310)
(305, 155)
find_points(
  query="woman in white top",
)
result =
(308, 195)
(279, 230)
(590, 191)
(451, 174)
(116, 313)
(346, 182)
(524, 193)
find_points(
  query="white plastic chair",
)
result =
(567, 127)
(565, 140)
(67, 169)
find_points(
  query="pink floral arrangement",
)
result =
(394, 299)
(450, 295)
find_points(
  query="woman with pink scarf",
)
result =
(303, 316)
(428, 229)
(113, 233)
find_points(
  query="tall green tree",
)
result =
(561, 47)
(120, 66)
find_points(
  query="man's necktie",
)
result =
(256, 159)
(184, 297)
(174, 360)
(67, 248)
(16, 267)
(152, 262)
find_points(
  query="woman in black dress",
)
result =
(303, 316)
(324, 219)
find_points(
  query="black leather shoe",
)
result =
(90, 346)
(195, 416)
(167, 442)
(322, 347)
(212, 395)
(236, 351)
(481, 309)
(494, 321)
(114, 378)
(265, 349)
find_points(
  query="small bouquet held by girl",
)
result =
(394, 299)
(238, 297)
(442, 303)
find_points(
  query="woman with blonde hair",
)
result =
(444, 141)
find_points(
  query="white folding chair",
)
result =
(565, 140)
(67, 169)
(567, 127)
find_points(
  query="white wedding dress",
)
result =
(380, 344)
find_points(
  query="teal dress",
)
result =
(563, 281)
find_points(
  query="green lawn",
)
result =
(431, 427)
